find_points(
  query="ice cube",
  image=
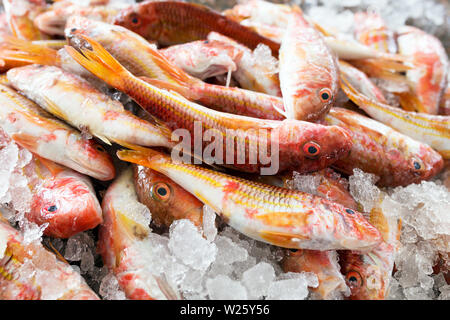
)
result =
(363, 189)
(188, 245)
(289, 289)
(228, 251)
(258, 279)
(224, 288)
(209, 223)
(110, 289)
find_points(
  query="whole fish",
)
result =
(430, 67)
(61, 197)
(371, 30)
(279, 216)
(53, 20)
(256, 70)
(368, 275)
(301, 145)
(433, 130)
(74, 100)
(203, 58)
(166, 200)
(143, 60)
(36, 130)
(20, 15)
(124, 245)
(29, 272)
(308, 70)
(175, 22)
(395, 158)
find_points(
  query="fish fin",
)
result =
(177, 88)
(4, 79)
(52, 44)
(142, 156)
(166, 289)
(282, 239)
(100, 62)
(54, 109)
(15, 49)
(57, 253)
(410, 102)
(50, 165)
(25, 140)
(102, 138)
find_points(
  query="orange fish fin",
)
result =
(53, 108)
(15, 49)
(181, 89)
(146, 157)
(282, 239)
(53, 167)
(410, 102)
(26, 141)
(98, 61)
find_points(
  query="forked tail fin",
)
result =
(13, 49)
(100, 62)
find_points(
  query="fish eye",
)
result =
(311, 149)
(135, 19)
(100, 149)
(160, 191)
(417, 164)
(293, 250)
(325, 95)
(51, 208)
(353, 279)
(349, 211)
(73, 30)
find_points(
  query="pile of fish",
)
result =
(163, 128)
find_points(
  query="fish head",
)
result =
(166, 200)
(68, 203)
(91, 157)
(367, 275)
(423, 164)
(313, 146)
(77, 25)
(141, 19)
(53, 21)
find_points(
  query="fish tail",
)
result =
(101, 63)
(15, 49)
